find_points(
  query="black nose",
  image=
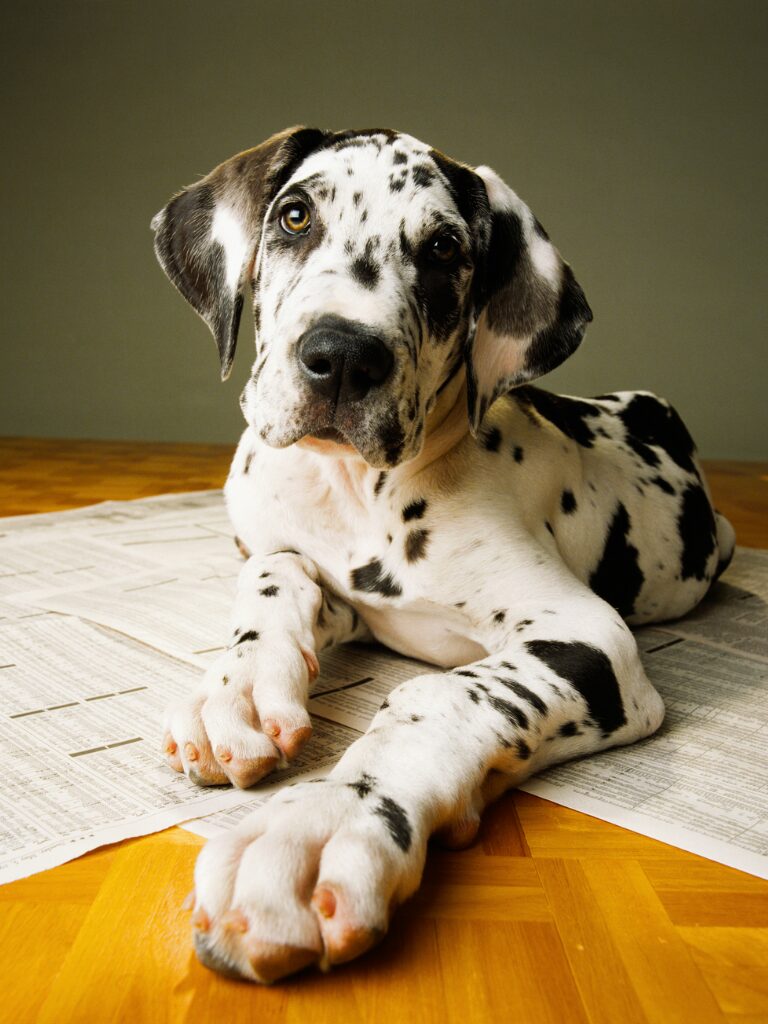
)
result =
(343, 360)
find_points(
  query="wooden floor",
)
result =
(551, 916)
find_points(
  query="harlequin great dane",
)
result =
(400, 479)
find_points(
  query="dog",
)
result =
(400, 479)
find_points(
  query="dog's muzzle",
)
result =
(342, 361)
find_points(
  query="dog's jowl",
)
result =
(401, 479)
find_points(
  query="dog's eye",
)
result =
(444, 248)
(295, 218)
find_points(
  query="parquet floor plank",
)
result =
(663, 972)
(604, 983)
(551, 916)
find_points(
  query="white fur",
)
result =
(227, 230)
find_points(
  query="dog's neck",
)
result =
(344, 467)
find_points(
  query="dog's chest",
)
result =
(366, 549)
(335, 519)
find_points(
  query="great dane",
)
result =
(400, 479)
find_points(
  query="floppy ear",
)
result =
(531, 313)
(207, 237)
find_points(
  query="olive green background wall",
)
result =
(635, 131)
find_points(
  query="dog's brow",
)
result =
(312, 181)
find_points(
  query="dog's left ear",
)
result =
(207, 237)
(531, 313)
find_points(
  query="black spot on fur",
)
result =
(520, 626)
(414, 510)
(251, 634)
(384, 705)
(568, 502)
(525, 694)
(517, 453)
(356, 197)
(365, 271)
(392, 437)
(523, 750)
(423, 176)
(363, 786)
(374, 580)
(417, 718)
(649, 421)
(618, 578)
(568, 414)
(696, 525)
(248, 461)
(396, 184)
(569, 729)
(474, 696)
(380, 481)
(648, 455)
(549, 527)
(499, 616)
(399, 157)
(492, 439)
(662, 484)
(271, 591)
(590, 672)
(466, 672)
(416, 545)
(511, 712)
(396, 821)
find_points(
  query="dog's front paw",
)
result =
(247, 716)
(311, 877)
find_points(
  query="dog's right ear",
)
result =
(207, 237)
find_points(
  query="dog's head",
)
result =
(380, 269)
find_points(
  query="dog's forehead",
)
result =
(379, 177)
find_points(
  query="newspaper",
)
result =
(109, 612)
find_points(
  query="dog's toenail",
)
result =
(191, 751)
(200, 920)
(235, 921)
(271, 728)
(325, 902)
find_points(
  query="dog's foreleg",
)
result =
(249, 713)
(314, 874)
